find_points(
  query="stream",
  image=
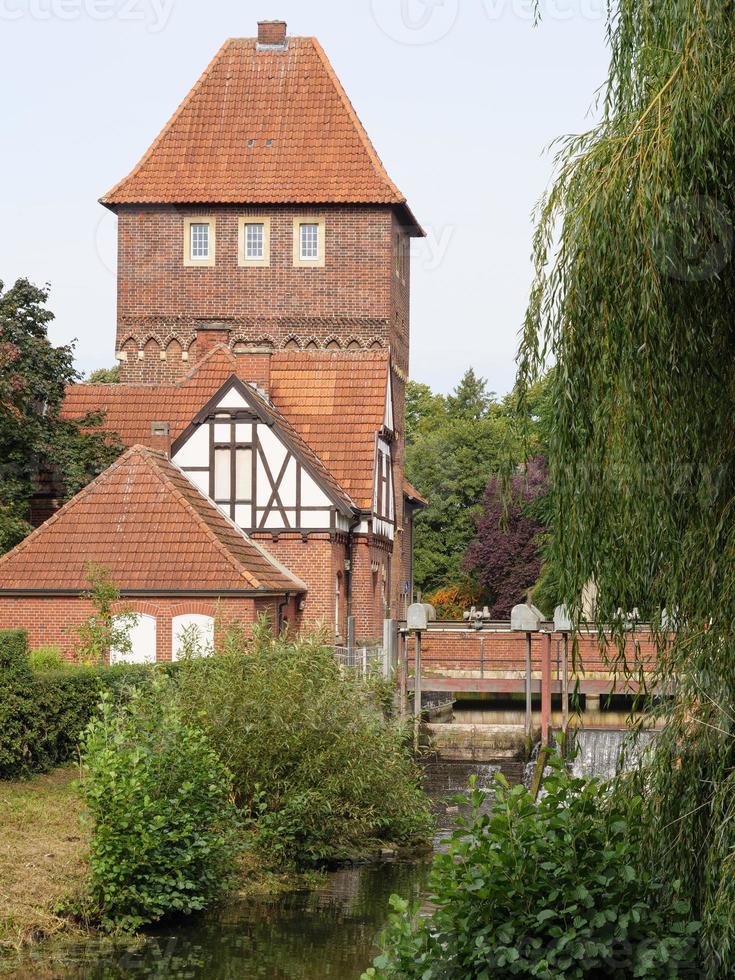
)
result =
(330, 932)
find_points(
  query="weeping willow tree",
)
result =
(634, 298)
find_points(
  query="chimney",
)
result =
(272, 33)
(208, 335)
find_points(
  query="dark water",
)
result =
(330, 932)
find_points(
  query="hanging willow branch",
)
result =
(634, 299)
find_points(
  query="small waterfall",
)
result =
(599, 751)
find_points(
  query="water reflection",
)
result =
(332, 932)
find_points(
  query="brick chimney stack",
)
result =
(272, 33)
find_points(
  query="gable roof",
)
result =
(268, 414)
(333, 401)
(155, 532)
(262, 125)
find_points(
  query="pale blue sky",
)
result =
(460, 97)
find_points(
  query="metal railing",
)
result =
(365, 660)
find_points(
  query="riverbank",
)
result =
(42, 857)
(43, 862)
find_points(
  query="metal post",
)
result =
(417, 693)
(482, 656)
(364, 662)
(565, 683)
(389, 646)
(403, 677)
(546, 689)
(350, 641)
(529, 710)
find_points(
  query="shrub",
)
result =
(42, 717)
(163, 827)
(317, 767)
(552, 889)
(14, 651)
(46, 658)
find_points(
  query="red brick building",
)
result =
(263, 340)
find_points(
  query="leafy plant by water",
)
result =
(163, 827)
(318, 769)
(553, 888)
(634, 299)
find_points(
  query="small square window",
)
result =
(309, 242)
(254, 241)
(200, 240)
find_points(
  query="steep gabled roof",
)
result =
(335, 402)
(272, 417)
(262, 125)
(153, 529)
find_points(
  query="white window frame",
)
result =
(242, 258)
(298, 260)
(205, 261)
(143, 637)
(203, 623)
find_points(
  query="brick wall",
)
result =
(354, 301)
(50, 620)
(505, 650)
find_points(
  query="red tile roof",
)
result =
(413, 495)
(145, 522)
(262, 126)
(335, 402)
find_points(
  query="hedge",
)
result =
(43, 714)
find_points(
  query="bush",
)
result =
(13, 652)
(552, 889)
(317, 767)
(46, 658)
(43, 712)
(163, 826)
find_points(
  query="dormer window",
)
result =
(254, 241)
(308, 246)
(199, 241)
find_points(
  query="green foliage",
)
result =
(34, 439)
(42, 715)
(553, 888)
(14, 651)
(164, 831)
(104, 630)
(634, 298)
(46, 658)
(455, 445)
(105, 376)
(316, 766)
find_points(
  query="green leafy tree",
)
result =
(35, 442)
(105, 376)
(633, 298)
(108, 628)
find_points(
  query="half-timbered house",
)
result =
(262, 337)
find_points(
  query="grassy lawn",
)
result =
(42, 855)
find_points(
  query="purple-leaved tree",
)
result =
(504, 557)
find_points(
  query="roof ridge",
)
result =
(206, 356)
(372, 153)
(172, 120)
(77, 498)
